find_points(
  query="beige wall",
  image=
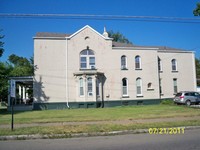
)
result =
(50, 73)
(185, 74)
(58, 62)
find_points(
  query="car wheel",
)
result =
(188, 102)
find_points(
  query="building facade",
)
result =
(88, 69)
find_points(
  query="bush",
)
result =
(167, 102)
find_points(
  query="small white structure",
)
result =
(20, 90)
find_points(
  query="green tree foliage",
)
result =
(21, 66)
(118, 37)
(196, 11)
(15, 66)
(5, 70)
(1, 44)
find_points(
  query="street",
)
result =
(190, 140)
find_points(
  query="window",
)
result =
(138, 62)
(175, 85)
(139, 87)
(159, 65)
(89, 86)
(87, 59)
(81, 87)
(124, 87)
(123, 62)
(174, 65)
(149, 85)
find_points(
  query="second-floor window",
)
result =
(87, 59)
(138, 62)
(123, 62)
(174, 65)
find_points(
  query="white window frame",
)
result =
(81, 87)
(136, 62)
(90, 91)
(123, 66)
(125, 94)
(139, 86)
(175, 85)
(174, 64)
(88, 55)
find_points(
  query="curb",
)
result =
(56, 136)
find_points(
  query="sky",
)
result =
(19, 32)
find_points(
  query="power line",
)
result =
(104, 17)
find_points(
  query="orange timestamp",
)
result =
(178, 130)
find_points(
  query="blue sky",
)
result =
(19, 32)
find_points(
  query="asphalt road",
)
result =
(190, 140)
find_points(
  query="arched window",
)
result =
(81, 87)
(87, 59)
(138, 62)
(149, 85)
(139, 87)
(124, 87)
(174, 65)
(123, 62)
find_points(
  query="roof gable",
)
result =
(87, 26)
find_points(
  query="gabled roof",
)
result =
(87, 26)
(67, 36)
(49, 34)
(119, 44)
(125, 46)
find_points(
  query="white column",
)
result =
(24, 94)
(20, 93)
(27, 93)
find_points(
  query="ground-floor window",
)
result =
(139, 87)
(81, 87)
(89, 86)
(124, 87)
(175, 85)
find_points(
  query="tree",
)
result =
(5, 70)
(1, 45)
(21, 66)
(118, 37)
(196, 11)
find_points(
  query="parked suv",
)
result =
(187, 97)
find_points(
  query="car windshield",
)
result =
(196, 94)
(178, 94)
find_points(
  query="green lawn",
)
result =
(101, 114)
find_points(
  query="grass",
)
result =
(105, 114)
(71, 129)
(165, 110)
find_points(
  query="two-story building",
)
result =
(88, 69)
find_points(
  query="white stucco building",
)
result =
(88, 69)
